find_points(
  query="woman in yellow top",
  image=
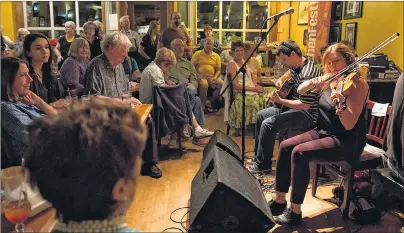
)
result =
(208, 66)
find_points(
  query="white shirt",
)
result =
(151, 76)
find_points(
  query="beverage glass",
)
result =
(15, 204)
(85, 98)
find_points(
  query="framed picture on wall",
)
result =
(353, 9)
(305, 37)
(350, 33)
(336, 12)
(303, 16)
(335, 34)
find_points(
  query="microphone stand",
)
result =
(243, 70)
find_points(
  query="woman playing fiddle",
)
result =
(340, 135)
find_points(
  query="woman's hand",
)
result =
(31, 98)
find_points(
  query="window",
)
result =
(49, 17)
(231, 20)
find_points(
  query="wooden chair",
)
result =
(377, 133)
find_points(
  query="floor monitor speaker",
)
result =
(225, 197)
(223, 141)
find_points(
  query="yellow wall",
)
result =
(7, 19)
(379, 21)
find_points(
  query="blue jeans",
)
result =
(196, 104)
(271, 121)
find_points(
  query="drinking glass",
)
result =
(85, 98)
(15, 203)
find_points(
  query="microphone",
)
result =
(288, 11)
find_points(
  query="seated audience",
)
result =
(256, 95)
(395, 138)
(74, 67)
(18, 45)
(5, 39)
(157, 74)
(93, 40)
(99, 29)
(208, 68)
(254, 62)
(133, 36)
(131, 69)
(184, 72)
(340, 135)
(88, 165)
(38, 53)
(208, 31)
(19, 106)
(148, 46)
(105, 76)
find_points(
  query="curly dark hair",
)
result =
(237, 44)
(75, 159)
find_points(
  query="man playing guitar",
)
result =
(293, 111)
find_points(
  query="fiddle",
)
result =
(309, 86)
(344, 84)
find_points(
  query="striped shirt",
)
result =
(301, 74)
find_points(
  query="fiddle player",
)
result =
(299, 112)
(340, 135)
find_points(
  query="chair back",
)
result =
(378, 126)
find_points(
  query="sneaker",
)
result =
(250, 161)
(151, 170)
(199, 141)
(288, 217)
(203, 133)
(276, 208)
(255, 169)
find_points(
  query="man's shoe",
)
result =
(151, 170)
(255, 169)
(276, 208)
(288, 217)
(203, 133)
(199, 141)
(250, 161)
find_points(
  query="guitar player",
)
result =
(298, 112)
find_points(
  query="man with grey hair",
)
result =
(105, 76)
(132, 35)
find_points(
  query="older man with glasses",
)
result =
(298, 112)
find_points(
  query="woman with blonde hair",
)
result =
(74, 68)
(340, 135)
(93, 40)
(18, 46)
(148, 46)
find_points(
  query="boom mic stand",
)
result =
(243, 70)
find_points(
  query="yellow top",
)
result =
(206, 65)
(70, 39)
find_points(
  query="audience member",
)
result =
(65, 41)
(395, 138)
(74, 67)
(157, 74)
(256, 95)
(208, 31)
(132, 69)
(88, 165)
(99, 29)
(254, 62)
(174, 32)
(18, 45)
(38, 53)
(93, 40)
(132, 35)
(341, 134)
(208, 68)
(105, 76)
(5, 39)
(184, 72)
(148, 46)
(19, 106)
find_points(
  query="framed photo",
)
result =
(305, 37)
(303, 16)
(350, 33)
(353, 9)
(336, 12)
(335, 34)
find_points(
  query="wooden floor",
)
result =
(155, 199)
